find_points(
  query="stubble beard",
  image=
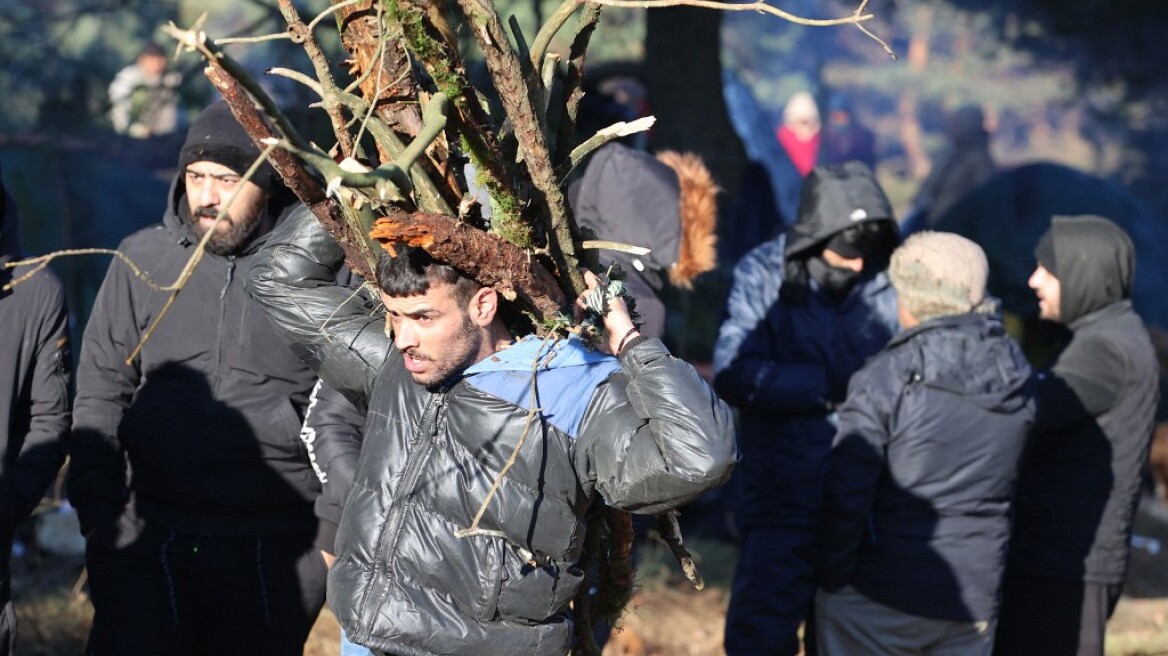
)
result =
(462, 352)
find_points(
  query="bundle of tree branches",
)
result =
(414, 142)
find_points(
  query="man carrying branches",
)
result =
(466, 524)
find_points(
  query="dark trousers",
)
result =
(1053, 617)
(774, 581)
(186, 595)
(772, 593)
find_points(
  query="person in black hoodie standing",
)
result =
(922, 469)
(1080, 482)
(805, 311)
(192, 486)
(34, 397)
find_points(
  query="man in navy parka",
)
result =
(805, 311)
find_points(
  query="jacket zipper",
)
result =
(222, 323)
(426, 431)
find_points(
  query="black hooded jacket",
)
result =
(1080, 483)
(34, 387)
(207, 416)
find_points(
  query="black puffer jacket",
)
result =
(208, 415)
(645, 434)
(34, 387)
(918, 498)
(1080, 483)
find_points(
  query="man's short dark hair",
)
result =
(413, 272)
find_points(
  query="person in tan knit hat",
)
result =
(922, 470)
(939, 274)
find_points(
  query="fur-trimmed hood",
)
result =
(667, 204)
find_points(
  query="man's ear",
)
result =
(483, 307)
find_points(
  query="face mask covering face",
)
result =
(836, 281)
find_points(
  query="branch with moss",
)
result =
(444, 65)
(506, 72)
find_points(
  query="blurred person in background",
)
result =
(144, 96)
(333, 433)
(917, 507)
(805, 311)
(34, 397)
(667, 204)
(962, 166)
(843, 138)
(1080, 481)
(193, 488)
(800, 132)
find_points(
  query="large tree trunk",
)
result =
(683, 69)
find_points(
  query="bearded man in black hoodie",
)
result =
(192, 486)
(1079, 484)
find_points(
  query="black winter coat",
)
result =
(34, 387)
(207, 416)
(917, 505)
(645, 434)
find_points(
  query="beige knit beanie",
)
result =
(938, 274)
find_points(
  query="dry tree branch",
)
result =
(506, 72)
(573, 80)
(445, 67)
(483, 256)
(320, 64)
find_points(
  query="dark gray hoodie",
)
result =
(1080, 483)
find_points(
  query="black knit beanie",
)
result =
(217, 137)
(1044, 253)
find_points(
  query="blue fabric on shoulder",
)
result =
(568, 374)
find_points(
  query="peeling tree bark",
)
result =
(488, 258)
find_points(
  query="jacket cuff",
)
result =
(640, 351)
(326, 536)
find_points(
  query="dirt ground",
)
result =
(667, 616)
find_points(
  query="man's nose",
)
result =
(404, 336)
(207, 195)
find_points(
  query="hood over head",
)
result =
(833, 199)
(1096, 264)
(666, 204)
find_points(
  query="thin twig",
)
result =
(43, 260)
(759, 6)
(533, 412)
(279, 36)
